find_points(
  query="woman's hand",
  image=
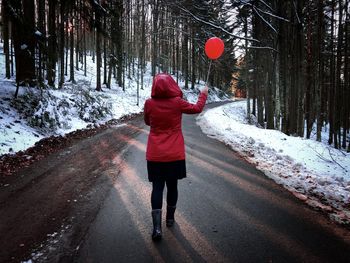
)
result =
(205, 90)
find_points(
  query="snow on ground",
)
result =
(15, 134)
(314, 171)
(37, 114)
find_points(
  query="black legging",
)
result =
(157, 193)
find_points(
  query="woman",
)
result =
(165, 148)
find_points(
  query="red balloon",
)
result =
(214, 47)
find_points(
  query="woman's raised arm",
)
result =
(190, 108)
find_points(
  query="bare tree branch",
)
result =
(296, 12)
(273, 15)
(215, 26)
(269, 7)
(266, 47)
(257, 12)
(330, 154)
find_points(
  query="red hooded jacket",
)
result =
(163, 112)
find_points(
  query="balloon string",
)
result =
(206, 82)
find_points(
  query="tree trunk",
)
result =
(117, 39)
(185, 52)
(41, 28)
(246, 80)
(24, 42)
(67, 46)
(52, 43)
(78, 28)
(320, 86)
(193, 58)
(332, 81)
(346, 95)
(84, 51)
(5, 31)
(143, 40)
(12, 55)
(71, 38)
(338, 84)
(154, 36)
(309, 73)
(98, 55)
(269, 108)
(104, 52)
(61, 28)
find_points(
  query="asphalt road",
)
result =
(227, 212)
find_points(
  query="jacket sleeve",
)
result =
(146, 113)
(190, 108)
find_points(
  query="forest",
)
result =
(295, 53)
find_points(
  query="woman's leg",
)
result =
(156, 201)
(157, 194)
(171, 201)
(172, 193)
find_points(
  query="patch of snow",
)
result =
(24, 46)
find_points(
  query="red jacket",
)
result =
(163, 112)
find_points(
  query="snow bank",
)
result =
(313, 171)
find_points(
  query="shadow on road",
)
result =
(227, 212)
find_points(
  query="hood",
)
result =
(164, 86)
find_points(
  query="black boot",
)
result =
(157, 224)
(170, 216)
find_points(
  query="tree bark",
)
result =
(332, 81)
(71, 53)
(346, 95)
(104, 51)
(185, 52)
(98, 54)
(320, 86)
(338, 84)
(61, 49)
(52, 44)
(154, 36)
(5, 28)
(24, 42)
(41, 28)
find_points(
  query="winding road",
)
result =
(228, 211)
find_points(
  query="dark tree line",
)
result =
(297, 72)
(49, 40)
